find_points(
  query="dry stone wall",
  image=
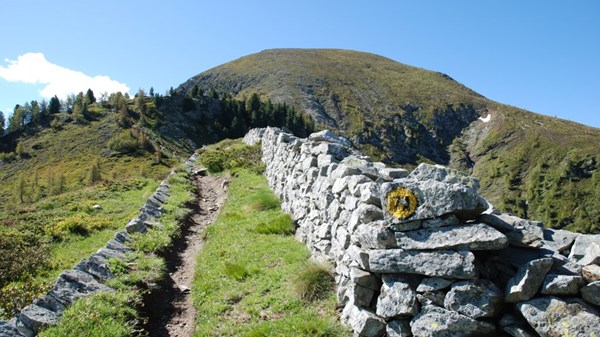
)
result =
(89, 275)
(422, 254)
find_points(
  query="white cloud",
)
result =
(33, 68)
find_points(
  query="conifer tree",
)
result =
(54, 105)
(90, 96)
(94, 173)
(21, 188)
(20, 149)
(2, 123)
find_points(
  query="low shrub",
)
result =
(313, 282)
(79, 223)
(235, 155)
(16, 296)
(123, 142)
(7, 157)
(20, 255)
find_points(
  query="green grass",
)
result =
(314, 282)
(100, 315)
(529, 164)
(117, 314)
(244, 281)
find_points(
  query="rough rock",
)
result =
(591, 273)
(475, 299)
(441, 263)
(363, 322)
(443, 174)
(446, 220)
(582, 242)
(397, 298)
(591, 256)
(562, 284)
(516, 327)
(527, 281)
(591, 293)
(558, 240)
(393, 173)
(365, 279)
(96, 266)
(122, 237)
(433, 199)
(34, 318)
(551, 316)
(468, 237)
(51, 303)
(433, 284)
(328, 136)
(374, 235)
(433, 321)
(136, 225)
(8, 330)
(520, 232)
(73, 284)
(398, 328)
(364, 214)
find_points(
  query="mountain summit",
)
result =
(528, 164)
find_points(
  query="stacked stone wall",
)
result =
(422, 254)
(89, 275)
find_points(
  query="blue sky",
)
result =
(539, 55)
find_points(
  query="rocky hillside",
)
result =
(528, 164)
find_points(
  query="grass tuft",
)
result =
(263, 201)
(282, 225)
(236, 271)
(313, 282)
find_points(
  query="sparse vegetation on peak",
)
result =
(534, 166)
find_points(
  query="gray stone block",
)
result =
(527, 281)
(552, 316)
(475, 299)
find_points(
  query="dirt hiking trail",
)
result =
(169, 308)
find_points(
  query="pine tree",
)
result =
(20, 149)
(94, 173)
(2, 123)
(90, 96)
(54, 105)
(21, 188)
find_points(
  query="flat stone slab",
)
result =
(467, 237)
(591, 293)
(562, 284)
(7, 329)
(433, 284)
(528, 280)
(582, 242)
(552, 316)
(406, 200)
(397, 298)
(398, 328)
(35, 318)
(440, 263)
(363, 322)
(475, 299)
(434, 321)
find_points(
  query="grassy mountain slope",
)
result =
(535, 166)
(47, 219)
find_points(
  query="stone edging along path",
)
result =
(89, 275)
(422, 254)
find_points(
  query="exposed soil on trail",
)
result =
(169, 308)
